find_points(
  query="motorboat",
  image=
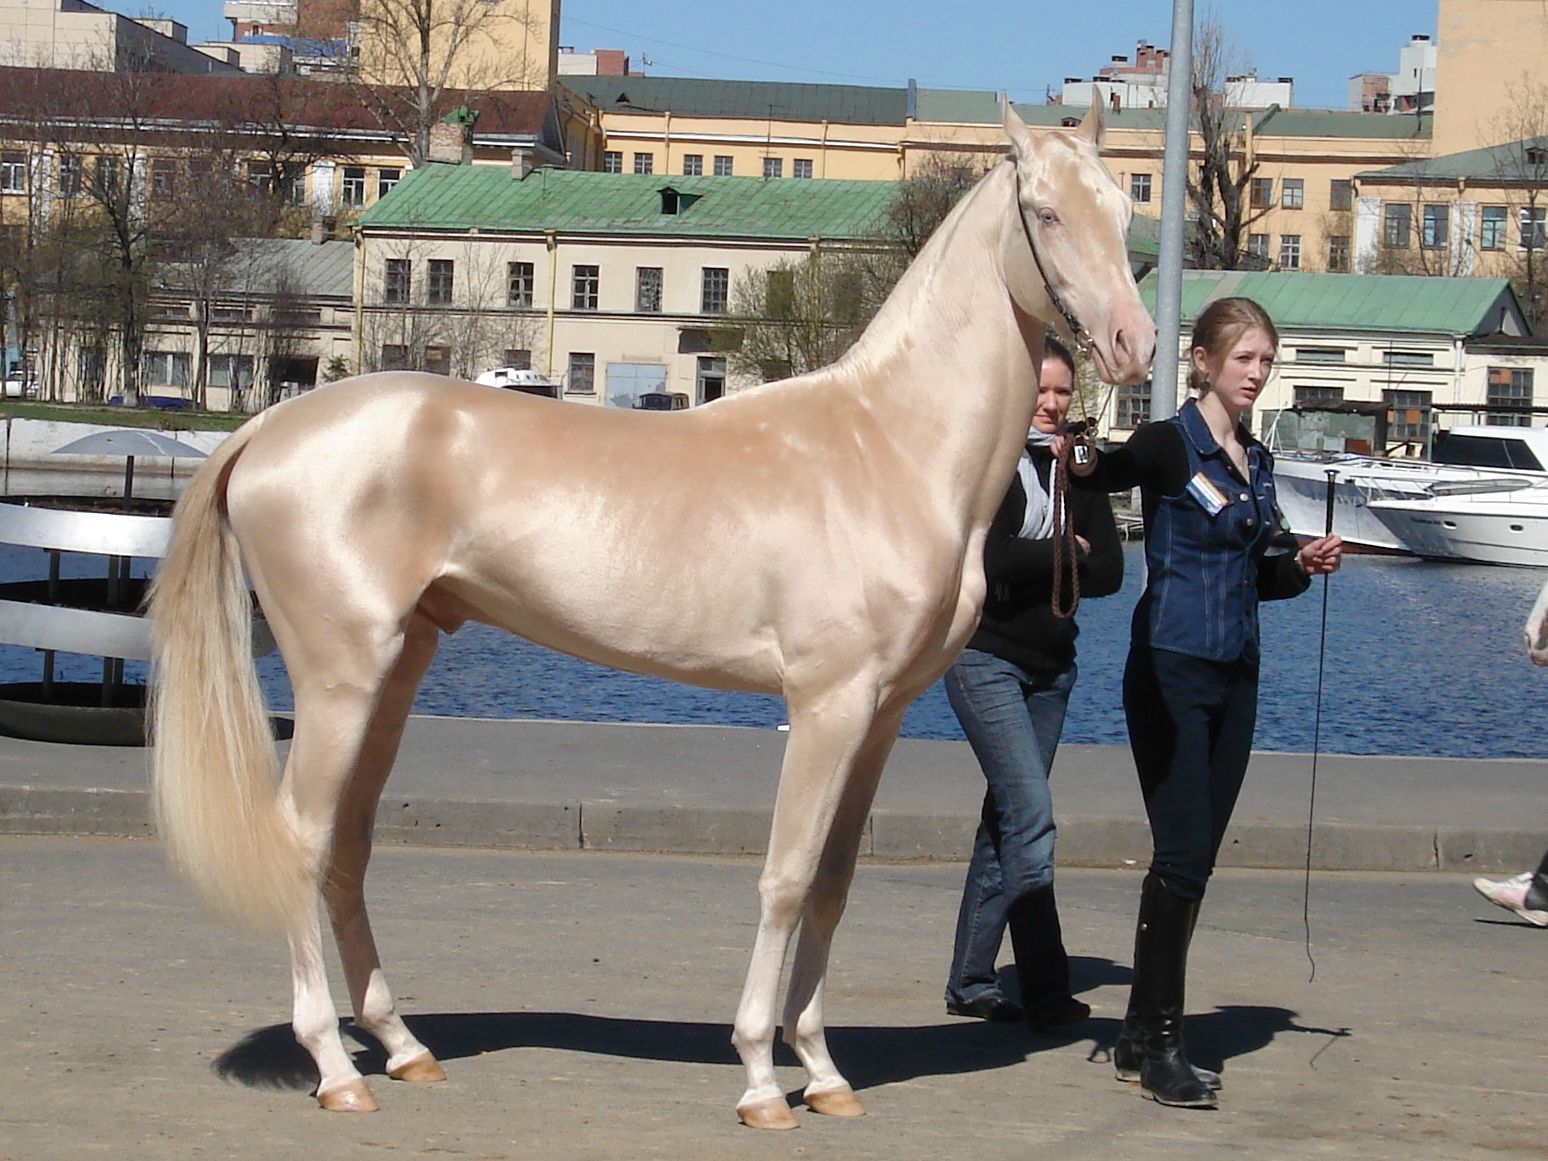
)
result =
(1484, 522)
(1477, 458)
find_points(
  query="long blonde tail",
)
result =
(214, 768)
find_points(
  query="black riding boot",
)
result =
(1042, 965)
(1126, 1052)
(1156, 997)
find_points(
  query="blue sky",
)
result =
(987, 44)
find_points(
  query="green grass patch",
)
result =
(151, 417)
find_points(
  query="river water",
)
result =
(1421, 658)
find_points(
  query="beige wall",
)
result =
(838, 152)
(507, 44)
(1484, 49)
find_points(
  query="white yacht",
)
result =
(1485, 522)
(1470, 460)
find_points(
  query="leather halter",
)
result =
(1081, 335)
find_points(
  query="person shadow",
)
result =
(870, 1055)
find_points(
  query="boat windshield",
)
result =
(1479, 451)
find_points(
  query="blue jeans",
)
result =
(1013, 725)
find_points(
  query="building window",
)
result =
(233, 372)
(710, 380)
(386, 179)
(1533, 219)
(353, 190)
(1510, 387)
(518, 284)
(1408, 358)
(1290, 251)
(231, 312)
(1408, 415)
(612, 161)
(1257, 246)
(801, 167)
(1491, 229)
(693, 164)
(1320, 354)
(438, 287)
(773, 167)
(108, 169)
(1319, 396)
(1133, 406)
(647, 289)
(1262, 194)
(1292, 193)
(1397, 225)
(163, 178)
(722, 165)
(1437, 220)
(585, 281)
(71, 175)
(394, 357)
(1139, 188)
(714, 288)
(260, 175)
(519, 358)
(164, 368)
(644, 163)
(396, 280)
(582, 377)
(1341, 194)
(438, 360)
(13, 173)
(1338, 254)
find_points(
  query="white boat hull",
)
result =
(1508, 529)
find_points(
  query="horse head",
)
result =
(1537, 629)
(1075, 220)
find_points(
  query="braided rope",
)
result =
(1064, 548)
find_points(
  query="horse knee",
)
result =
(784, 898)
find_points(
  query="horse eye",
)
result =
(1047, 217)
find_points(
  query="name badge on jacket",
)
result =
(1204, 491)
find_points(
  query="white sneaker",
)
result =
(1511, 894)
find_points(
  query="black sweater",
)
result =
(1018, 623)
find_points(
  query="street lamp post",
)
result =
(1174, 201)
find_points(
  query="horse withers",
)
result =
(819, 538)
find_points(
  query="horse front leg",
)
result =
(819, 754)
(344, 887)
(827, 1091)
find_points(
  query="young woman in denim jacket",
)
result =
(1009, 689)
(1214, 547)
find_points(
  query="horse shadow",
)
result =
(872, 1055)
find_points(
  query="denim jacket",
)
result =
(1205, 551)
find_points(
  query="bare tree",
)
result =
(420, 58)
(1220, 187)
(1522, 167)
(794, 316)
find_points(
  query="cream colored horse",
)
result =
(819, 538)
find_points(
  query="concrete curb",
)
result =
(890, 836)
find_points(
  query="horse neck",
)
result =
(948, 359)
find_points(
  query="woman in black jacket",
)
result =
(1010, 689)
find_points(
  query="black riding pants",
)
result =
(1190, 728)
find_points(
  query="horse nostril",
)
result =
(1122, 345)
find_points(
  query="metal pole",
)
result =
(1174, 205)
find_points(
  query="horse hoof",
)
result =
(353, 1097)
(835, 1102)
(773, 1113)
(421, 1069)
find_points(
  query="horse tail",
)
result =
(214, 767)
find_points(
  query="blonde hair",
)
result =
(1216, 330)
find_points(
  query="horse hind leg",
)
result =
(823, 743)
(338, 682)
(827, 1091)
(344, 885)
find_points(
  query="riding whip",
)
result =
(1311, 807)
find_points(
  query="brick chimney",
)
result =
(521, 162)
(451, 138)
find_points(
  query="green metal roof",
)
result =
(1279, 122)
(488, 197)
(759, 100)
(982, 107)
(1362, 302)
(1497, 165)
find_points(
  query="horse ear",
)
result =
(1093, 126)
(1016, 129)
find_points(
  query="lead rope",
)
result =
(1063, 540)
(1311, 807)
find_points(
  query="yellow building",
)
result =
(483, 44)
(1489, 54)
